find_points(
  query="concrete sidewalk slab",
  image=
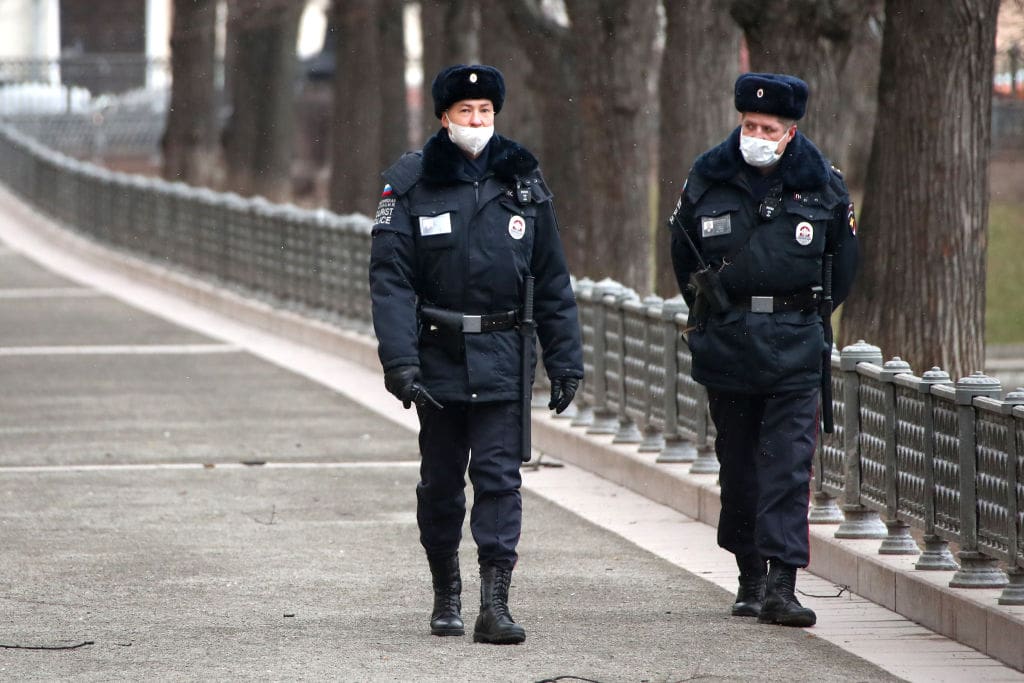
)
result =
(97, 409)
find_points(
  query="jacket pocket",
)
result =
(808, 224)
(435, 223)
(718, 223)
(799, 343)
(721, 350)
(514, 228)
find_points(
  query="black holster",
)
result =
(709, 287)
(708, 297)
(698, 313)
(443, 328)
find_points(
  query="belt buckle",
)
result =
(472, 324)
(762, 304)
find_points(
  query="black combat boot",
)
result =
(446, 619)
(495, 624)
(780, 603)
(753, 570)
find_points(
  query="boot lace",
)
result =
(499, 593)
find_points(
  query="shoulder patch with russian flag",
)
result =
(386, 207)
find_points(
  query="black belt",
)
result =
(804, 301)
(454, 321)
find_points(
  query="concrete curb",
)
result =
(970, 616)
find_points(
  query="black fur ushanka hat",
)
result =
(776, 94)
(467, 82)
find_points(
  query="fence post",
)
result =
(584, 416)
(858, 520)
(977, 570)
(675, 449)
(898, 541)
(707, 459)
(823, 509)
(626, 431)
(605, 421)
(936, 555)
(1013, 594)
(654, 438)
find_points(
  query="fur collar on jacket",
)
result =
(802, 166)
(442, 159)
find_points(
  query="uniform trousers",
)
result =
(486, 437)
(765, 444)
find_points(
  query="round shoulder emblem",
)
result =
(517, 227)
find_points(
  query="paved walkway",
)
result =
(189, 498)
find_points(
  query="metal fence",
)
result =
(88, 106)
(908, 452)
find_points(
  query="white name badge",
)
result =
(435, 225)
(711, 227)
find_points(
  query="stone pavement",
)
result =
(140, 525)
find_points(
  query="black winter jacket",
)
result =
(740, 350)
(445, 239)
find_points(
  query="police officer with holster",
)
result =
(763, 245)
(460, 228)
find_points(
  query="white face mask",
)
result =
(760, 153)
(470, 139)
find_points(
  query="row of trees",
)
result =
(617, 97)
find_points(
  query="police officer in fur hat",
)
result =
(763, 246)
(460, 226)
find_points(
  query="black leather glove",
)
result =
(403, 382)
(563, 389)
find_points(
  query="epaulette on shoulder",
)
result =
(835, 192)
(836, 180)
(405, 172)
(695, 187)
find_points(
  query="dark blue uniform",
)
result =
(761, 359)
(461, 235)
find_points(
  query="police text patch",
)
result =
(718, 225)
(385, 210)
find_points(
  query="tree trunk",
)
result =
(613, 43)
(450, 31)
(394, 112)
(859, 89)
(356, 144)
(190, 137)
(553, 83)
(258, 136)
(814, 39)
(925, 216)
(500, 47)
(696, 113)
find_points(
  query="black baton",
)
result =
(526, 328)
(826, 356)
